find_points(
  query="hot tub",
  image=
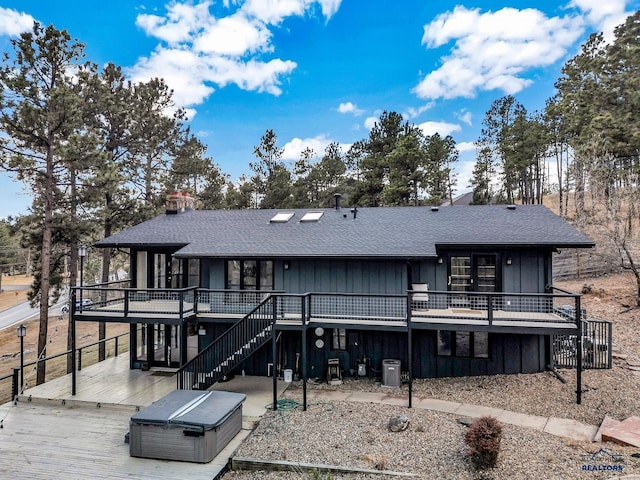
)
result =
(186, 425)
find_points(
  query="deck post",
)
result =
(274, 353)
(578, 316)
(490, 309)
(410, 350)
(73, 343)
(15, 385)
(304, 354)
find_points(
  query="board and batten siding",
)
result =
(344, 276)
(323, 275)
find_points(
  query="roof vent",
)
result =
(337, 198)
(311, 216)
(282, 217)
(511, 207)
(435, 209)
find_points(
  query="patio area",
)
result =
(49, 433)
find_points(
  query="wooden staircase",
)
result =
(227, 351)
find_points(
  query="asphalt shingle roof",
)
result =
(399, 232)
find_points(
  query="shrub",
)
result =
(483, 439)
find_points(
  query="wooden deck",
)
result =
(51, 434)
(434, 318)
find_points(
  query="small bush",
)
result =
(483, 439)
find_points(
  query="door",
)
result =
(472, 273)
(164, 345)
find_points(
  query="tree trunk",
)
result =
(45, 281)
(579, 186)
(104, 278)
(73, 266)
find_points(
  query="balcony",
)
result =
(435, 310)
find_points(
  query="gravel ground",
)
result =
(356, 435)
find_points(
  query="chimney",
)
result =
(178, 202)
(337, 198)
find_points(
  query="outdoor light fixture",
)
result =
(22, 332)
(508, 260)
(439, 259)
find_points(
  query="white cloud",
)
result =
(466, 147)
(605, 15)
(178, 68)
(274, 11)
(493, 50)
(442, 128)
(415, 112)
(294, 147)
(199, 52)
(465, 174)
(234, 35)
(349, 107)
(465, 116)
(370, 122)
(180, 23)
(13, 23)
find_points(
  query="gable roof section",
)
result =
(398, 232)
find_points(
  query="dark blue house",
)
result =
(449, 291)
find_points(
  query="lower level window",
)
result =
(463, 344)
(339, 339)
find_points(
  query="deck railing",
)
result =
(491, 307)
(488, 308)
(97, 301)
(230, 302)
(597, 346)
(357, 307)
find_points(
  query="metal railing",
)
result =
(230, 302)
(597, 346)
(433, 306)
(488, 308)
(96, 301)
(353, 306)
(15, 385)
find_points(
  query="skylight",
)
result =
(282, 217)
(311, 216)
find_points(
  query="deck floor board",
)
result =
(51, 434)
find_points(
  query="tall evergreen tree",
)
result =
(39, 110)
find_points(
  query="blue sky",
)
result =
(317, 71)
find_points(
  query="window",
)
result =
(311, 216)
(249, 275)
(463, 344)
(194, 272)
(282, 217)
(339, 339)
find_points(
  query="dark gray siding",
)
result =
(509, 354)
(343, 276)
(302, 276)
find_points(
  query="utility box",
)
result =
(391, 373)
(186, 425)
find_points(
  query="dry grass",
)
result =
(10, 298)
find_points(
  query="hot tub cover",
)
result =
(190, 408)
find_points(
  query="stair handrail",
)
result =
(234, 345)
